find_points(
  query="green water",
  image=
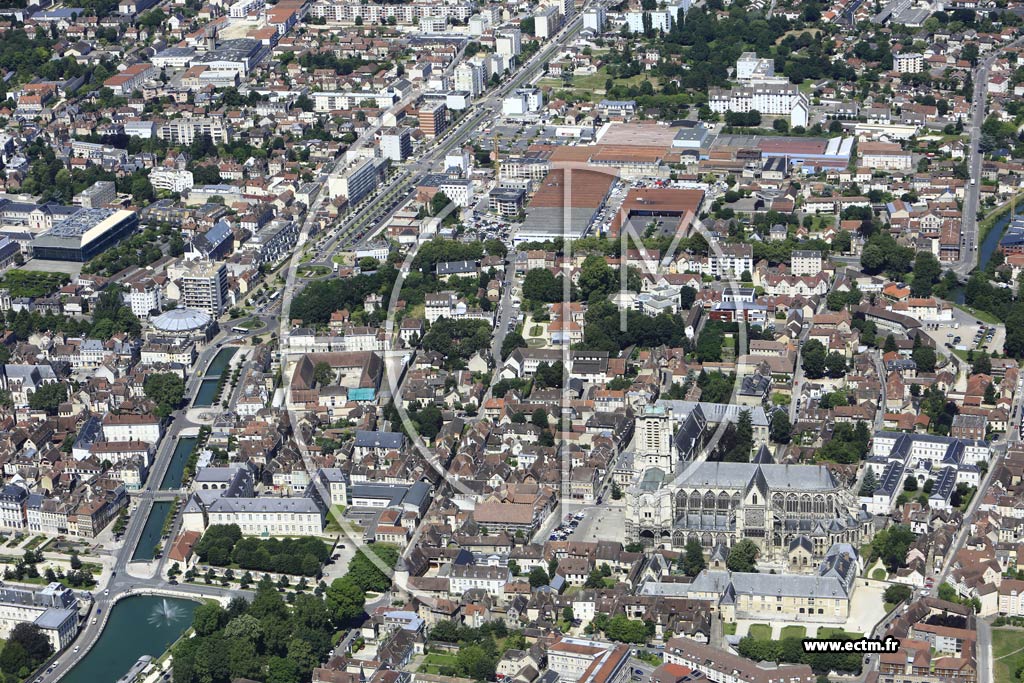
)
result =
(220, 362)
(151, 532)
(139, 625)
(176, 470)
(207, 393)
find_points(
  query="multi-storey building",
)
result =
(204, 287)
(580, 660)
(131, 427)
(396, 144)
(433, 118)
(184, 131)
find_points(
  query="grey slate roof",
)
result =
(738, 475)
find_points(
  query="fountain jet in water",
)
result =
(165, 613)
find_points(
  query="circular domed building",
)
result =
(183, 323)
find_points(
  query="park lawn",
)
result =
(879, 574)
(32, 283)
(596, 81)
(793, 631)
(1007, 655)
(729, 628)
(835, 632)
(433, 662)
(760, 631)
(35, 542)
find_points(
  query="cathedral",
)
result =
(790, 511)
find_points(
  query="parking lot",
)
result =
(968, 332)
(606, 522)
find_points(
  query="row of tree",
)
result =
(223, 544)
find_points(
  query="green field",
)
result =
(32, 283)
(834, 632)
(594, 82)
(433, 663)
(793, 631)
(1007, 653)
(760, 631)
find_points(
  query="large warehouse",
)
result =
(564, 205)
(84, 235)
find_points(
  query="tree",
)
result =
(897, 592)
(813, 359)
(48, 397)
(594, 579)
(693, 558)
(366, 573)
(32, 642)
(323, 374)
(835, 364)
(346, 601)
(891, 545)
(512, 341)
(870, 483)
(76, 561)
(927, 272)
(539, 418)
(438, 203)
(982, 364)
(924, 357)
(540, 284)
(166, 389)
(616, 490)
(890, 344)
(990, 394)
(142, 190)
(538, 577)
(910, 484)
(597, 278)
(743, 556)
(208, 617)
(780, 430)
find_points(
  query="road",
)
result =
(798, 376)
(969, 242)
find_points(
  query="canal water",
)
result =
(988, 247)
(207, 393)
(151, 533)
(138, 625)
(176, 470)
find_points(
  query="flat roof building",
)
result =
(84, 235)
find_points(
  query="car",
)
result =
(106, 591)
(77, 648)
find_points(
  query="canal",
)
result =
(176, 470)
(207, 393)
(151, 533)
(993, 236)
(138, 625)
